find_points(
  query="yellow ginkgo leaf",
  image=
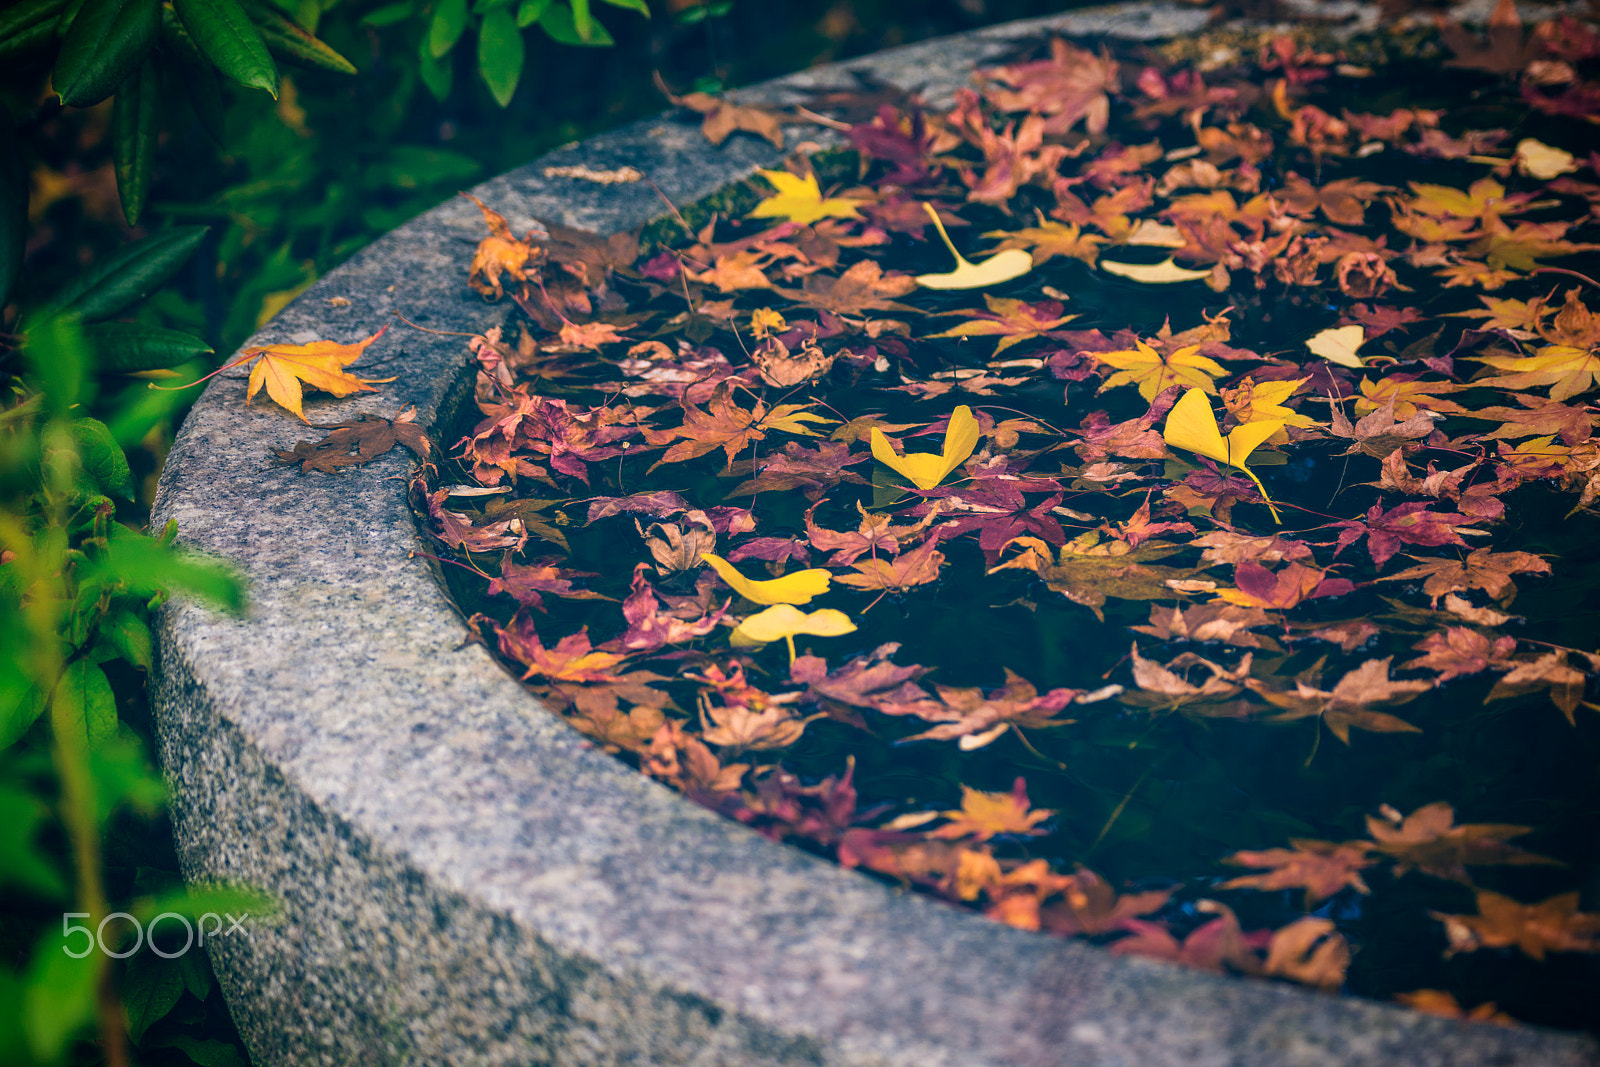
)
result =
(801, 587)
(1192, 426)
(1339, 344)
(782, 620)
(1152, 234)
(1539, 160)
(801, 200)
(1000, 267)
(924, 469)
(1154, 371)
(1164, 273)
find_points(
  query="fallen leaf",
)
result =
(1428, 840)
(1000, 267)
(1321, 868)
(319, 364)
(925, 470)
(1167, 272)
(1191, 425)
(1552, 925)
(800, 200)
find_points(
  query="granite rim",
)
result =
(465, 880)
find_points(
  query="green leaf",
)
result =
(59, 358)
(104, 463)
(129, 347)
(13, 207)
(83, 698)
(128, 637)
(387, 15)
(557, 22)
(147, 567)
(123, 777)
(201, 89)
(582, 19)
(436, 74)
(194, 900)
(415, 167)
(58, 995)
(631, 5)
(196, 968)
(108, 39)
(151, 987)
(449, 22)
(206, 1051)
(21, 702)
(530, 11)
(129, 274)
(292, 41)
(21, 861)
(27, 27)
(226, 36)
(135, 123)
(500, 54)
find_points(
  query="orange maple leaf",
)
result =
(320, 364)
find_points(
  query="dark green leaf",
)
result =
(415, 167)
(13, 208)
(500, 54)
(135, 123)
(151, 987)
(108, 39)
(449, 22)
(207, 1051)
(632, 5)
(196, 968)
(21, 861)
(292, 41)
(226, 36)
(130, 273)
(27, 27)
(558, 23)
(129, 347)
(387, 15)
(103, 461)
(83, 701)
(202, 88)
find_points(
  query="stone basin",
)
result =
(465, 880)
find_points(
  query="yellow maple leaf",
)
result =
(1567, 370)
(1154, 371)
(1049, 239)
(1253, 401)
(320, 365)
(1192, 426)
(801, 200)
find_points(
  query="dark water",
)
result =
(1153, 798)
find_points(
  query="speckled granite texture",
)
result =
(466, 882)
